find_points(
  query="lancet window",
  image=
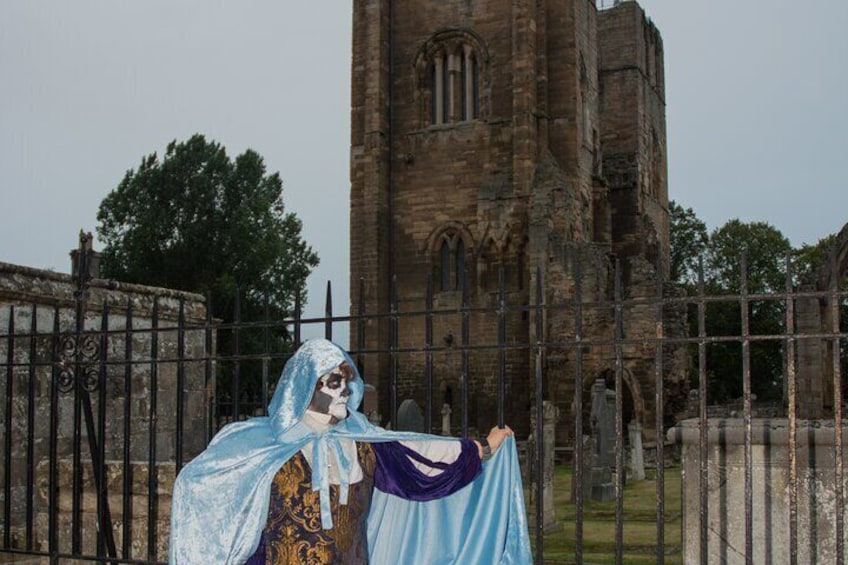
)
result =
(451, 263)
(451, 78)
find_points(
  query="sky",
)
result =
(756, 94)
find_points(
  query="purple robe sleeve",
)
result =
(396, 474)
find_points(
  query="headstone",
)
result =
(446, 419)
(369, 405)
(586, 465)
(636, 461)
(609, 429)
(602, 434)
(409, 417)
(550, 416)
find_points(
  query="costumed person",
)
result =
(316, 482)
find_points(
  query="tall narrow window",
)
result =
(460, 264)
(451, 70)
(463, 79)
(520, 270)
(445, 264)
(434, 94)
(475, 88)
(445, 91)
(469, 84)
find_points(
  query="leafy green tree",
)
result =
(196, 220)
(764, 249)
(689, 241)
(199, 221)
(809, 257)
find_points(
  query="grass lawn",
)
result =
(640, 529)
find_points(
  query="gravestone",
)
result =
(369, 404)
(586, 466)
(446, 419)
(636, 461)
(550, 416)
(409, 417)
(601, 487)
(609, 428)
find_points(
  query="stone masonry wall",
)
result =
(32, 304)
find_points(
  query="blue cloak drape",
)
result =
(220, 500)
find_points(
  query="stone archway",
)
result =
(816, 315)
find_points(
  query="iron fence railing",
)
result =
(100, 410)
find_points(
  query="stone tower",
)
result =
(491, 135)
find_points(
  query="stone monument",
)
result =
(409, 416)
(446, 419)
(550, 416)
(636, 460)
(603, 438)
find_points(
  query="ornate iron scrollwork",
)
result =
(79, 356)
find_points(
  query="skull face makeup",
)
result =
(331, 393)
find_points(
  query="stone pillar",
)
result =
(816, 490)
(438, 92)
(811, 369)
(636, 461)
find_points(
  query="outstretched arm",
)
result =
(493, 441)
(403, 468)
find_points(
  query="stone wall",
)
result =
(132, 391)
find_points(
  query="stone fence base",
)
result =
(725, 512)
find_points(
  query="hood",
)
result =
(294, 390)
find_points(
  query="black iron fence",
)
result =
(101, 408)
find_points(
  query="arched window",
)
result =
(460, 264)
(439, 89)
(450, 262)
(469, 89)
(445, 266)
(450, 76)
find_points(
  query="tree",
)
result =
(197, 221)
(764, 249)
(809, 257)
(689, 241)
(200, 222)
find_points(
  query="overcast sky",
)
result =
(756, 97)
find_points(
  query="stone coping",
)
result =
(764, 431)
(106, 284)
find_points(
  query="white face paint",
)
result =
(332, 394)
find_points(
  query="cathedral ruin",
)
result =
(495, 136)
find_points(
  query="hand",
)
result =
(497, 436)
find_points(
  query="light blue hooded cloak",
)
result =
(221, 498)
